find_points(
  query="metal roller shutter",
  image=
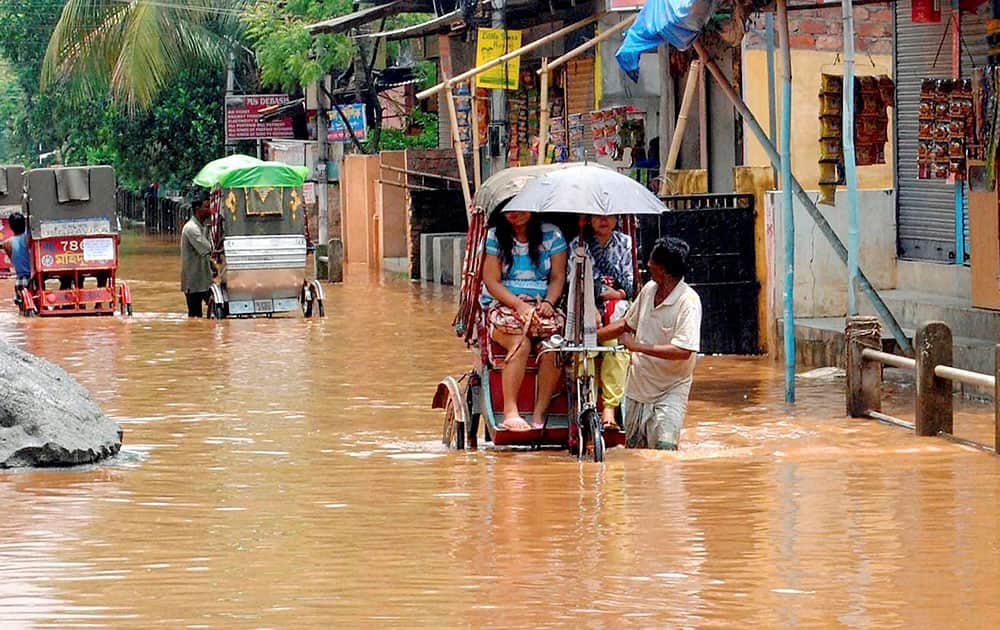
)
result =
(926, 208)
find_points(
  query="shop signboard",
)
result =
(626, 5)
(493, 43)
(243, 117)
(355, 114)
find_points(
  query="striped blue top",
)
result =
(521, 276)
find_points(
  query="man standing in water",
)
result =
(196, 268)
(16, 248)
(662, 330)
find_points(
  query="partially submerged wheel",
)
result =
(125, 299)
(590, 432)
(311, 298)
(451, 397)
(216, 303)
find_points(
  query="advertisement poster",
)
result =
(491, 44)
(243, 113)
(355, 114)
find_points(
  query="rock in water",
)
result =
(47, 418)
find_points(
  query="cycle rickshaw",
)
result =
(258, 229)
(565, 193)
(74, 243)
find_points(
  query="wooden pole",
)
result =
(934, 402)
(703, 119)
(517, 52)
(864, 378)
(456, 140)
(477, 175)
(543, 115)
(850, 161)
(682, 117)
(590, 43)
(788, 212)
(666, 105)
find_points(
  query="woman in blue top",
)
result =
(524, 274)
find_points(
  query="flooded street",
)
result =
(288, 473)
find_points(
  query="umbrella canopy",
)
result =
(585, 189)
(504, 184)
(243, 171)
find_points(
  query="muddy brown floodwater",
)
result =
(287, 473)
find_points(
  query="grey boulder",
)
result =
(47, 418)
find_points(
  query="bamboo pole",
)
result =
(788, 209)
(682, 116)
(543, 115)
(517, 52)
(590, 43)
(456, 140)
(810, 206)
(477, 175)
(850, 161)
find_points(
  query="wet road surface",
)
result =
(287, 473)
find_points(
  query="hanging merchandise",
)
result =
(831, 157)
(577, 148)
(948, 130)
(463, 114)
(483, 108)
(873, 97)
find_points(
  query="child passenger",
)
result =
(610, 250)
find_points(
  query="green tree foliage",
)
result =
(288, 56)
(133, 50)
(168, 142)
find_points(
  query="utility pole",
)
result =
(329, 252)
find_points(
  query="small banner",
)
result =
(494, 43)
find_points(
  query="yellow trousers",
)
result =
(614, 366)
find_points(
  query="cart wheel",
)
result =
(453, 435)
(596, 428)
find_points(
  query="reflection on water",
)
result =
(286, 472)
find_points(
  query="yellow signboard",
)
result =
(491, 44)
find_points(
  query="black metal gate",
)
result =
(720, 231)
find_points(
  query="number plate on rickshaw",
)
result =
(74, 252)
(263, 306)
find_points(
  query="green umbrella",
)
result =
(243, 171)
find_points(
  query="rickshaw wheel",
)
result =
(453, 435)
(591, 436)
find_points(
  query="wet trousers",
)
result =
(657, 424)
(195, 301)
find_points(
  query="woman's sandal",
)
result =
(520, 424)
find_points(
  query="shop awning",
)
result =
(344, 23)
(430, 27)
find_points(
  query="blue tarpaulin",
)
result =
(674, 22)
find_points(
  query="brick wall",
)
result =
(822, 29)
(433, 211)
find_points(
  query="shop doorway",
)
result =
(720, 231)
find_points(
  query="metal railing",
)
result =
(933, 405)
(157, 215)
